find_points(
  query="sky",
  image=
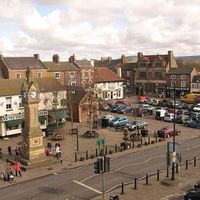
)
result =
(95, 28)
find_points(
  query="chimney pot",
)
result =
(56, 58)
(123, 59)
(36, 56)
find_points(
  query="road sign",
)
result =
(173, 156)
(100, 141)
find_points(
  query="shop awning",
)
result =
(13, 122)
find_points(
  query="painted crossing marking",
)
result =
(88, 187)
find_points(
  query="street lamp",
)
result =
(156, 89)
(174, 129)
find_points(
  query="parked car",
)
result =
(142, 99)
(167, 132)
(169, 117)
(119, 121)
(149, 101)
(182, 112)
(182, 118)
(127, 109)
(146, 106)
(192, 123)
(195, 115)
(138, 124)
(193, 194)
(106, 119)
(116, 107)
(160, 113)
(104, 107)
(156, 102)
(196, 107)
(197, 184)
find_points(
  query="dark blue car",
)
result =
(126, 109)
(192, 123)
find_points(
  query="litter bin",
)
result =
(114, 197)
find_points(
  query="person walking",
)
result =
(17, 168)
(9, 150)
(58, 152)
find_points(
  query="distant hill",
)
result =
(188, 58)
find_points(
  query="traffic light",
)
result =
(98, 166)
(106, 164)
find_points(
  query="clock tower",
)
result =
(32, 137)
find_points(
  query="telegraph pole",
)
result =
(174, 129)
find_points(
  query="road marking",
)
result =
(88, 187)
(88, 178)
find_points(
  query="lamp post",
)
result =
(174, 129)
(156, 89)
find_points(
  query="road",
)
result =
(83, 184)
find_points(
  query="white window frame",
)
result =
(71, 75)
(17, 75)
(57, 75)
(183, 83)
(173, 76)
(128, 73)
(173, 83)
(8, 105)
(20, 102)
(39, 76)
(183, 76)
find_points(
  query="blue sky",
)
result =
(95, 28)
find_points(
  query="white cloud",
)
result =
(93, 28)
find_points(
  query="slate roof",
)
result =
(78, 93)
(103, 74)
(152, 58)
(61, 66)
(21, 63)
(196, 78)
(180, 70)
(9, 87)
(83, 63)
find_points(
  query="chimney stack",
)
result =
(72, 58)
(119, 71)
(109, 58)
(123, 59)
(36, 56)
(139, 55)
(56, 58)
(170, 58)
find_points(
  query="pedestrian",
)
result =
(58, 152)
(49, 145)
(17, 168)
(9, 150)
(17, 151)
(57, 144)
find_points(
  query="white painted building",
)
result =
(52, 95)
(107, 84)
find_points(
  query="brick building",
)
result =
(66, 71)
(15, 67)
(195, 86)
(124, 66)
(150, 73)
(182, 78)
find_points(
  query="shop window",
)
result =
(8, 103)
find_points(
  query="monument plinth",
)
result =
(33, 151)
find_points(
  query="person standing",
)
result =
(17, 168)
(57, 152)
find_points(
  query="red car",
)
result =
(167, 132)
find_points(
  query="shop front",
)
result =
(180, 92)
(13, 124)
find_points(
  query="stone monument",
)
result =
(33, 151)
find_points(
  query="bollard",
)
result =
(115, 148)
(122, 192)
(147, 179)
(186, 165)
(195, 161)
(167, 171)
(135, 185)
(176, 168)
(149, 140)
(86, 155)
(133, 145)
(158, 175)
(96, 153)
(75, 157)
(106, 150)
(156, 138)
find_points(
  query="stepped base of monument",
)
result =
(44, 162)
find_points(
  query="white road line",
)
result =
(88, 178)
(88, 187)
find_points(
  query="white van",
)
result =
(169, 117)
(160, 114)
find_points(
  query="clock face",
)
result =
(33, 94)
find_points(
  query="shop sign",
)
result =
(13, 117)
